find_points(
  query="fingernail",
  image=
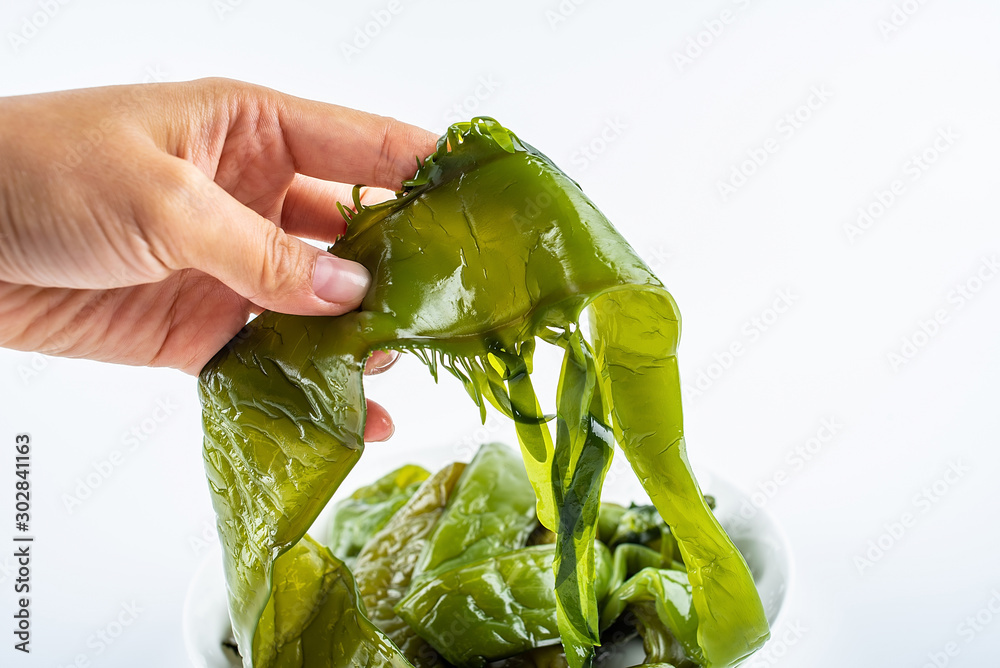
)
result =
(340, 281)
(380, 360)
(392, 430)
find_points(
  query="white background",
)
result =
(673, 131)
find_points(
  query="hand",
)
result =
(145, 224)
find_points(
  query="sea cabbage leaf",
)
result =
(488, 248)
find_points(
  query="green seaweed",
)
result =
(489, 247)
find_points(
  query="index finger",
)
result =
(337, 143)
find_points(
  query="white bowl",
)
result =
(763, 545)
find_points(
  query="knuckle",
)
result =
(389, 166)
(175, 195)
(218, 86)
(224, 98)
(233, 93)
(283, 267)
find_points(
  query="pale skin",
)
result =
(144, 224)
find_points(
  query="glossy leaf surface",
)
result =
(487, 248)
(367, 510)
(385, 565)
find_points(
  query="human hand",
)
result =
(145, 224)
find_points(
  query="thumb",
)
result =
(274, 270)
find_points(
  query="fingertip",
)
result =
(405, 147)
(336, 143)
(378, 424)
(424, 144)
(380, 361)
(340, 281)
(270, 268)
